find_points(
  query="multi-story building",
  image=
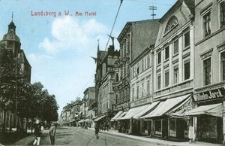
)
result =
(75, 112)
(137, 44)
(104, 78)
(121, 85)
(209, 93)
(173, 71)
(89, 95)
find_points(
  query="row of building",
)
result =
(80, 112)
(167, 79)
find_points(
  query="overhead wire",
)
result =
(110, 35)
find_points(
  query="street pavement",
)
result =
(77, 136)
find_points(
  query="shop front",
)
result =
(208, 112)
(114, 122)
(165, 123)
(132, 117)
(145, 125)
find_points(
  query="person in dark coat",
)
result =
(52, 132)
(37, 134)
(96, 130)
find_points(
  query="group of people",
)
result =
(38, 129)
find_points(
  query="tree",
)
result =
(7, 81)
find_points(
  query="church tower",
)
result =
(11, 40)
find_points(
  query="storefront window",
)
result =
(207, 128)
(158, 127)
(172, 127)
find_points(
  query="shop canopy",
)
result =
(120, 116)
(117, 115)
(147, 109)
(99, 118)
(180, 110)
(132, 112)
(165, 106)
(213, 110)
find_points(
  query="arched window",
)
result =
(172, 23)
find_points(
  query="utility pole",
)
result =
(153, 8)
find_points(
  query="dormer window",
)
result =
(172, 23)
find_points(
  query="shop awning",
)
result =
(164, 106)
(213, 110)
(132, 112)
(88, 120)
(116, 116)
(147, 109)
(99, 118)
(180, 110)
(120, 116)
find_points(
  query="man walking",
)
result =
(52, 132)
(96, 130)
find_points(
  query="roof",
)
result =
(190, 4)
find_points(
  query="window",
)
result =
(137, 91)
(175, 75)
(116, 98)
(142, 89)
(159, 58)
(137, 70)
(223, 65)
(175, 47)
(186, 70)
(167, 52)
(222, 14)
(207, 24)
(172, 23)
(172, 127)
(167, 79)
(158, 128)
(187, 39)
(159, 81)
(143, 65)
(148, 87)
(207, 71)
(148, 60)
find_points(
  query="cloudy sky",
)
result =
(59, 47)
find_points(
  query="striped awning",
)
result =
(213, 110)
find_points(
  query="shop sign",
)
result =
(211, 94)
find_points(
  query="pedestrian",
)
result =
(52, 132)
(96, 130)
(37, 134)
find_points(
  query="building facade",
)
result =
(173, 72)
(137, 39)
(209, 70)
(105, 76)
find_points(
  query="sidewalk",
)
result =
(158, 141)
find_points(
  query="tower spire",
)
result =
(98, 45)
(12, 16)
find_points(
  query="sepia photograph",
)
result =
(112, 72)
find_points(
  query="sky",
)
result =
(60, 47)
